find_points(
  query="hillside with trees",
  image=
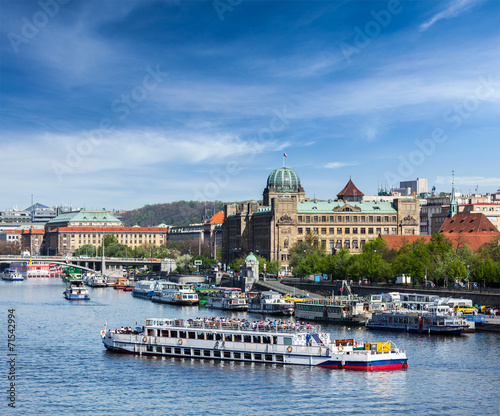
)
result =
(179, 213)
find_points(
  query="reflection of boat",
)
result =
(76, 290)
(176, 294)
(271, 303)
(12, 275)
(439, 319)
(227, 298)
(344, 311)
(265, 342)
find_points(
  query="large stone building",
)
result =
(287, 216)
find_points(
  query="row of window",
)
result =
(346, 218)
(338, 244)
(348, 230)
(215, 354)
(99, 235)
(211, 336)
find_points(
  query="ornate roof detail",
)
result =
(283, 180)
(350, 190)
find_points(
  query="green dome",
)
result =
(284, 180)
(252, 258)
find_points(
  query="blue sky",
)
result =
(119, 104)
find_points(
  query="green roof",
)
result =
(284, 180)
(366, 207)
(252, 258)
(84, 216)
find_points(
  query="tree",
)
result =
(457, 270)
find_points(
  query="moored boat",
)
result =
(228, 298)
(146, 288)
(123, 284)
(76, 290)
(12, 274)
(176, 294)
(97, 280)
(271, 303)
(344, 311)
(439, 319)
(264, 342)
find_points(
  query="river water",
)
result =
(62, 368)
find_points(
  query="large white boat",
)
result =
(438, 319)
(345, 311)
(266, 342)
(32, 270)
(97, 280)
(271, 303)
(76, 290)
(228, 298)
(147, 288)
(176, 294)
(12, 275)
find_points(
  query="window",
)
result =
(386, 218)
(332, 218)
(355, 244)
(308, 231)
(331, 231)
(363, 230)
(370, 230)
(315, 231)
(355, 230)
(362, 218)
(355, 218)
(315, 218)
(379, 218)
(370, 219)
(323, 243)
(347, 244)
(339, 230)
(395, 230)
(379, 230)
(331, 244)
(339, 244)
(308, 218)
(323, 231)
(323, 218)
(386, 230)
(347, 218)
(287, 341)
(347, 231)
(299, 218)
(339, 219)
(299, 231)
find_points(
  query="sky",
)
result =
(118, 104)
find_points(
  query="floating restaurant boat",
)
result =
(264, 342)
(176, 294)
(228, 298)
(438, 319)
(12, 274)
(76, 290)
(147, 288)
(271, 303)
(32, 270)
(345, 311)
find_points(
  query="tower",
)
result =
(453, 202)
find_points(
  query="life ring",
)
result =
(145, 339)
(289, 349)
(179, 342)
(341, 348)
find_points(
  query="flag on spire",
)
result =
(285, 155)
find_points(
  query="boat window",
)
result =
(275, 339)
(177, 351)
(217, 353)
(266, 340)
(237, 338)
(257, 357)
(201, 335)
(227, 354)
(173, 334)
(210, 336)
(191, 335)
(247, 356)
(197, 352)
(187, 351)
(168, 350)
(206, 353)
(164, 333)
(149, 348)
(218, 336)
(256, 339)
(182, 334)
(279, 358)
(268, 357)
(228, 337)
(287, 341)
(150, 332)
(247, 338)
(236, 355)
(158, 349)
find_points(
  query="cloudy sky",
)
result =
(119, 104)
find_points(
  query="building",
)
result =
(12, 219)
(468, 223)
(286, 216)
(83, 218)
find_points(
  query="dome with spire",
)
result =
(251, 258)
(284, 180)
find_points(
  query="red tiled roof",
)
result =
(216, 219)
(473, 241)
(468, 223)
(350, 190)
(11, 232)
(33, 231)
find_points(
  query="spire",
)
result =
(453, 202)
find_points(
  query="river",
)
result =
(62, 368)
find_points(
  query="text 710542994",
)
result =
(11, 357)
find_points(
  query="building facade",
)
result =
(286, 216)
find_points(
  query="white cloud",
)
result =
(337, 165)
(455, 7)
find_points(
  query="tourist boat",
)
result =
(76, 290)
(271, 303)
(204, 293)
(31, 269)
(12, 274)
(176, 294)
(97, 280)
(264, 342)
(228, 298)
(145, 289)
(438, 319)
(344, 311)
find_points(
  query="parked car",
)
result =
(365, 282)
(428, 283)
(465, 308)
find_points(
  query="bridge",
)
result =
(94, 264)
